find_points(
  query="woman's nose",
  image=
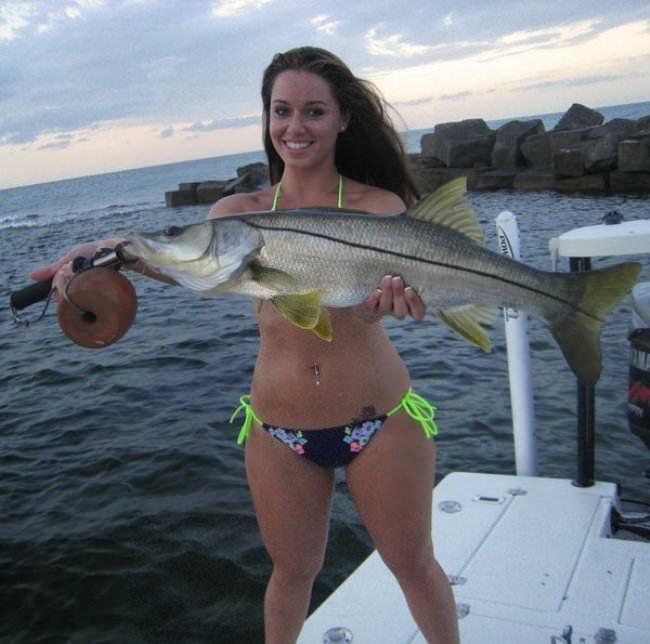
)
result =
(296, 124)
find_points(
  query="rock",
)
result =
(633, 182)
(419, 161)
(535, 179)
(506, 153)
(428, 180)
(191, 186)
(634, 155)
(579, 116)
(460, 144)
(592, 183)
(569, 163)
(573, 149)
(620, 128)
(207, 192)
(537, 151)
(235, 185)
(178, 198)
(254, 176)
(600, 155)
(643, 123)
(493, 179)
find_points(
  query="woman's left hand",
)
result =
(394, 298)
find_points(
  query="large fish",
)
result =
(306, 260)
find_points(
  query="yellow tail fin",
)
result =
(578, 334)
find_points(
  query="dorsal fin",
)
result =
(447, 207)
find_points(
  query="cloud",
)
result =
(448, 20)
(14, 18)
(167, 132)
(230, 8)
(325, 25)
(557, 34)
(414, 102)
(575, 82)
(222, 124)
(392, 45)
(55, 145)
(455, 97)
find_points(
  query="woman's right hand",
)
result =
(60, 271)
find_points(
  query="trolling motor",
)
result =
(98, 305)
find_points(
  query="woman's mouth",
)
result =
(297, 145)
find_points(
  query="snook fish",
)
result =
(306, 260)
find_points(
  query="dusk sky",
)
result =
(91, 86)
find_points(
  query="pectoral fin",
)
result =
(305, 312)
(467, 321)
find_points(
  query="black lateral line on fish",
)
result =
(418, 259)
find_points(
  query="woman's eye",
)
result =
(315, 113)
(281, 111)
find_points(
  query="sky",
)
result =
(93, 86)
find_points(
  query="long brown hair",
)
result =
(369, 150)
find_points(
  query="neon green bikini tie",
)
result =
(278, 191)
(416, 407)
(249, 416)
(420, 410)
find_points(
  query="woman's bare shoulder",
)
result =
(359, 196)
(242, 202)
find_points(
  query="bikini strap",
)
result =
(278, 191)
(249, 416)
(276, 196)
(420, 410)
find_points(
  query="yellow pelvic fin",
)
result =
(305, 312)
(447, 207)
(467, 320)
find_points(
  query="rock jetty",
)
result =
(580, 154)
(249, 177)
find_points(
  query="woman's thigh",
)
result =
(292, 499)
(391, 483)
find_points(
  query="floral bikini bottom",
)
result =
(337, 446)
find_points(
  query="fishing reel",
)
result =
(97, 306)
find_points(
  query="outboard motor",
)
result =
(638, 399)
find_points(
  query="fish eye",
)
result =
(172, 231)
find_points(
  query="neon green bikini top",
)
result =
(278, 191)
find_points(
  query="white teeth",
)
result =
(297, 145)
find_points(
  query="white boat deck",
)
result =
(530, 556)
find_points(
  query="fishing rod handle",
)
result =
(40, 290)
(31, 294)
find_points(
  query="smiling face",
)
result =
(304, 119)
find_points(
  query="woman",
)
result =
(316, 405)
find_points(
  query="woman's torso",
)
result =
(301, 381)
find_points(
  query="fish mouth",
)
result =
(135, 248)
(127, 250)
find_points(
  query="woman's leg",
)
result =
(391, 483)
(292, 499)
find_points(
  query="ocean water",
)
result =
(125, 515)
